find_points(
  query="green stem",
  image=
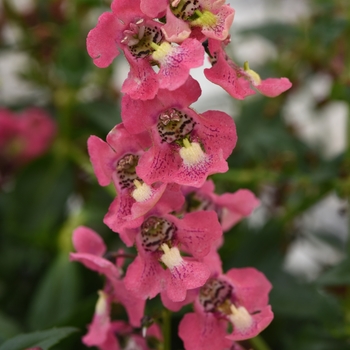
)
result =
(65, 149)
(258, 343)
(347, 163)
(166, 329)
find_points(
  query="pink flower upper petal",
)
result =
(102, 158)
(217, 131)
(251, 287)
(236, 206)
(101, 41)
(142, 82)
(197, 231)
(153, 8)
(203, 332)
(273, 87)
(175, 30)
(132, 109)
(86, 240)
(122, 142)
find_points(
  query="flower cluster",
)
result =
(159, 159)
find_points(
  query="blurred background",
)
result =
(292, 152)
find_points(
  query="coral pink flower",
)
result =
(90, 249)
(23, 136)
(159, 239)
(142, 41)
(230, 207)
(103, 332)
(115, 160)
(239, 297)
(213, 17)
(100, 331)
(104, 41)
(187, 147)
(236, 80)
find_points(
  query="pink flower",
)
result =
(213, 17)
(187, 147)
(236, 80)
(230, 207)
(100, 331)
(159, 239)
(105, 39)
(142, 41)
(24, 136)
(103, 332)
(90, 249)
(116, 161)
(239, 297)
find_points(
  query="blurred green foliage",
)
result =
(43, 202)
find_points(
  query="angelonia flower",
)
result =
(24, 136)
(159, 159)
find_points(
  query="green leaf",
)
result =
(8, 327)
(57, 294)
(337, 276)
(295, 300)
(276, 32)
(43, 339)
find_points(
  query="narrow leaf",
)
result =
(41, 339)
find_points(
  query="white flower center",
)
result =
(142, 192)
(240, 318)
(192, 153)
(101, 305)
(171, 257)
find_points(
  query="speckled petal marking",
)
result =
(174, 125)
(214, 293)
(156, 231)
(126, 171)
